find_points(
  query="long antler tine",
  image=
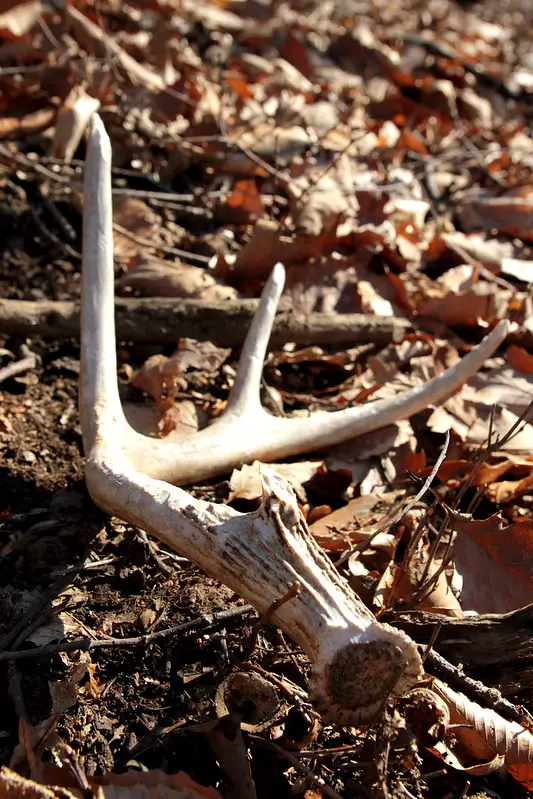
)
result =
(100, 405)
(325, 429)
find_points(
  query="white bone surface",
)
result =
(357, 663)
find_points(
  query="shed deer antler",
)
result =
(356, 661)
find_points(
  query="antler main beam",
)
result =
(356, 661)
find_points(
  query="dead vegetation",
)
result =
(383, 153)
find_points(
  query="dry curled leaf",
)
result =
(355, 522)
(154, 785)
(426, 566)
(245, 483)
(133, 219)
(72, 120)
(94, 38)
(158, 375)
(12, 126)
(269, 244)
(486, 734)
(458, 297)
(325, 201)
(19, 17)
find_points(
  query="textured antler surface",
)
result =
(357, 663)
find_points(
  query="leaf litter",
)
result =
(385, 157)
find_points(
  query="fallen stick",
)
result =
(155, 320)
(93, 38)
(88, 644)
(28, 361)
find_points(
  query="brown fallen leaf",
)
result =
(268, 245)
(245, 483)
(94, 39)
(13, 786)
(495, 561)
(490, 252)
(72, 120)
(182, 419)
(150, 276)
(501, 492)
(355, 522)
(484, 735)
(131, 785)
(458, 297)
(159, 372)
(323, 202)
(386, 364)
(509, 213)
(13, 126)
(495, 398)
(490, 471)
(136, 218)
(504, 386)
(154, 784)
(246, 197)
(520, 359)
(273, 142)
(327, 285)
(423, 565)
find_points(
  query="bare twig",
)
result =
(28, 362)
(291, 592)
(402, 511)
(185, 255)
(91, 644)
(154, 553)
(488, 697)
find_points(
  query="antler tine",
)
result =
(357, 663)
(322, 429)
(245, 395)
(100, 405)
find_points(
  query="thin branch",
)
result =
(158, 320)
(488, 697)
(92, 644)
(402, 511)
(28, 362)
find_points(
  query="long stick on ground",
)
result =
(156, 320)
